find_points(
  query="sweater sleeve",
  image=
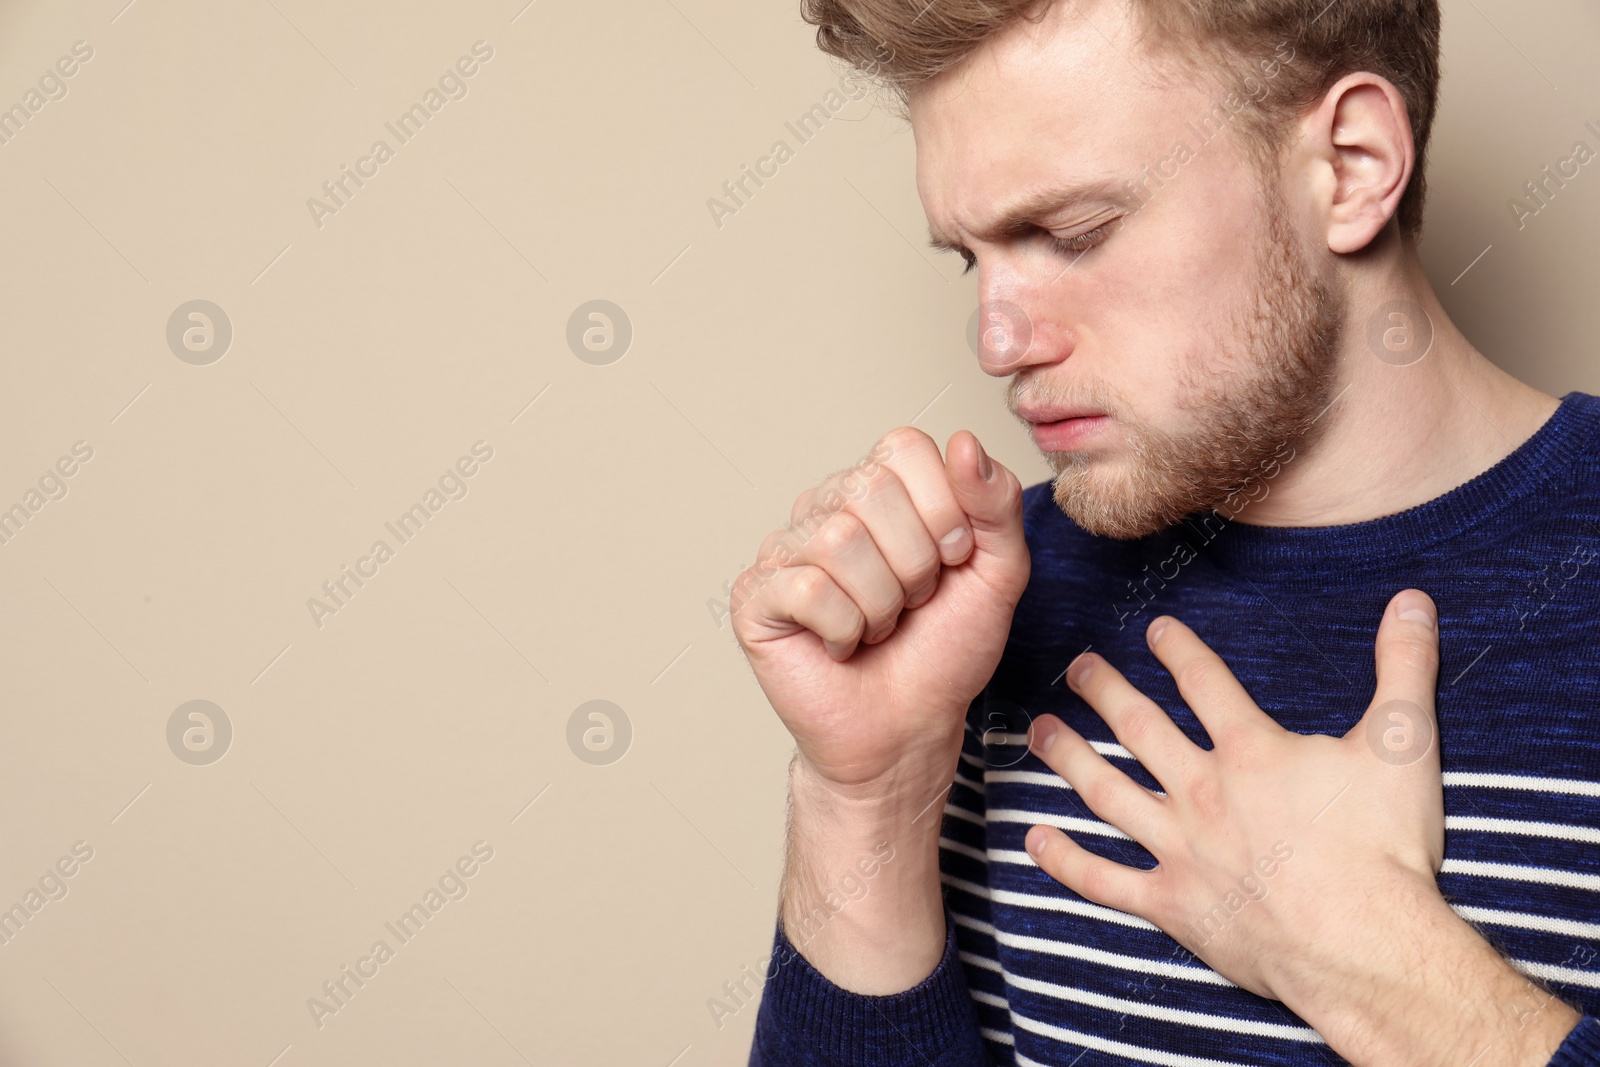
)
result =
(807, 1021)
(1582, 1046)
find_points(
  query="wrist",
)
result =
(894, 801)
(1408, 981)
(861, 897)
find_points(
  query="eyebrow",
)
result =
(1021, 216)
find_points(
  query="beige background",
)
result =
(368, 354)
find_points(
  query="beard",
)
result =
(1240, 419)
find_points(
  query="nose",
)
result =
(1004, 333)
(1018, 323)
(1009, 339)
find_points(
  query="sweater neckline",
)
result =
(1499, 499)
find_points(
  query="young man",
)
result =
(1194, 223)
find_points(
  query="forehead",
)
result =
(1074, 99)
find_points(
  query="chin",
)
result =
(1110, 502)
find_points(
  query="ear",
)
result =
(1359, 138)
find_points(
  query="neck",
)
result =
(1399, 436)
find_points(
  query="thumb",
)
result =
(1401, 724)
(994, 509)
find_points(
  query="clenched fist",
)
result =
(875, 621)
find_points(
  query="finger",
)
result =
(802, 504)
(1092, 877)
(1401, 722)
(844, 548)
(1140, 724)
(876, 495)
(1407, 649)
(794, 599)
(882, 501)
(915, 458)
(1108, 792)
(874, 588)
(1209, 688)
(994, 510)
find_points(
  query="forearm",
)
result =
(1439, 995)
(860, 896)
(865, 969)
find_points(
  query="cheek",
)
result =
(1217, 227)
(1171, 307)
(1142, 330)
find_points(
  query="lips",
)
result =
(1044, 416)
(1065, 430)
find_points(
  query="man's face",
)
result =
(1198, 332)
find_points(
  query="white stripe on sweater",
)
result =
(1067, 905)
(1119, 1048)
(1222, 1023)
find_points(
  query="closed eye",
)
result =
(1081, 243)
(1074, 246)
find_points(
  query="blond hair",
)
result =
(904, 43)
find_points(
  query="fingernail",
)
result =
(835, 649)
(1044, 735)
(985, 468)
(1079, 669)
(1157, 628)
(1414, 607)
(954, 545)
(1034, 842)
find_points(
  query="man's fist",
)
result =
(875, 619)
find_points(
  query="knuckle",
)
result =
(902, 440)
(880, 622)
(1414, 654)
(1240, 741)
(862, 483)
(1197, 674)
(745, 588)
(1099, 792)
(853, 630)
(923, 573)
(811, 586)
(840, 536)
(1137, 724)
(774, 549)
(1096, 882)
(809, 515)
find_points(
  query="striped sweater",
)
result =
(1035, 975)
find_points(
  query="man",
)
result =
(1194, 223)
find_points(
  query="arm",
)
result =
(892, 936)
(871, 637)
(872, 963)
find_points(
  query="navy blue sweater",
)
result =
(1034, 974)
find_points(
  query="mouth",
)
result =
(1066, 433)
(1044, 415)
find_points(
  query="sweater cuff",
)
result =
(1582, 1046)
(813, 1021)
